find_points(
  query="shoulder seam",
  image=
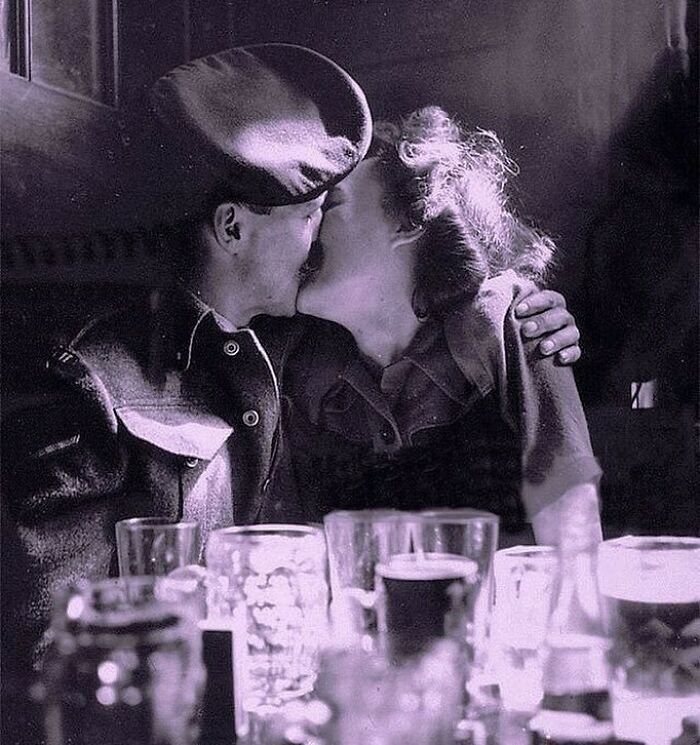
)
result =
(91, 324)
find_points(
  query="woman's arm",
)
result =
(560, 472)
(549, 523)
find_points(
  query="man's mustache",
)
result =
(314, 261)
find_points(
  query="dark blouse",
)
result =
(470, 415)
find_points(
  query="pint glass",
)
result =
(357, 541)
(474, 535)
(156, 545)
(422, 598)
(268, 586)
(652, 589)
(525, 580)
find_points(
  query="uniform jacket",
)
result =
(148, 411)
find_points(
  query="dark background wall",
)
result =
(595, 99)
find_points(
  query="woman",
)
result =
(432, 398)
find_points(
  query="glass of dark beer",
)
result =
(422, 598)
(652, 590)
(472, 534)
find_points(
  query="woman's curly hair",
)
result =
(452, 183)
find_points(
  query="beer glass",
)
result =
(156, 545)
(357, 541)
(124, 667)
(525, 580)
(422, 598)
(474, 535)
(651, 586)
(268, 586)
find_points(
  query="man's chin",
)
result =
(310, 269)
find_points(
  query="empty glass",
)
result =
(525, 580)
(156, 545)
(268, 584)
(357, 541)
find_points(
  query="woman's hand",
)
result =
(544, 316)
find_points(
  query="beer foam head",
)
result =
(427, 567)
(659, 569)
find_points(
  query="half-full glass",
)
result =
(156, 545)
(525, 580)
(268, 584)
(474, 535)
(422, 599)
(651, 586)
(357, 541)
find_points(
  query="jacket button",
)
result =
(387, 436)
(191, 462)
(231, 348)
(251, 418)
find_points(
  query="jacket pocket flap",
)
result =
(178, 430)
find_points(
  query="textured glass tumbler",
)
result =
(525, 580)
(124, 666)
(651, 587)
(156, 545)
(474, 535)
(268, 582)
(357, 541)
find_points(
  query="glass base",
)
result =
(653, 720)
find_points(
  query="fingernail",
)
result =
(530, 327)
(547, 346)
(523, 308)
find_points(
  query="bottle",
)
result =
(576, 669)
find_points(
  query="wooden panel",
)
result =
(61, 162)
(73, 47)
(372, 32)
(71, 166)
(14, 37)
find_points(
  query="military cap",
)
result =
(269, 124)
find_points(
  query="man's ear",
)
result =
(227, 223)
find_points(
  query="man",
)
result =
(175, 409)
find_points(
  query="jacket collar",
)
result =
(179, 316)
